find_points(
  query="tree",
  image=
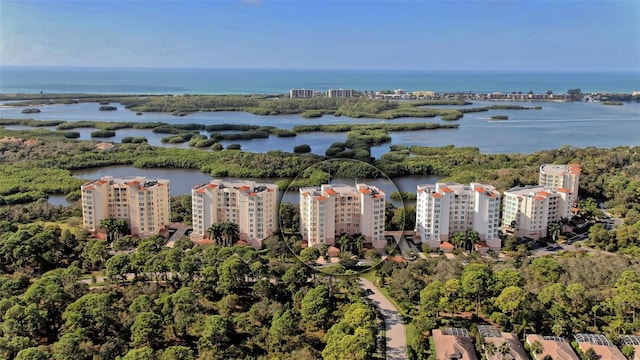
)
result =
(147, 330)
(554, 230)
(537, 347)
(33, 353)
(628, 351)
(404, 217)
(302, 149)
(504, 349)
(71, 346)
(476, 280)
(215, 233)
(217, 332)
(316, 307)
(546, 270)
(144, 353)
(451, 301)
(590, 354)
(627, 296)
(458, 239)
(471, 237)
(510, 301)
(343, 242)
(108, 225)
(233, 275)
(575, 94)
(95, 314)
(490, 348)
(177, 353)
(118, 267)
(289, 216)
(309, 255)
(231, 232)
(283, 327)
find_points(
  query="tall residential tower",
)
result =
(251, 205)
(143, 202)
(446, 208)
(331, 210)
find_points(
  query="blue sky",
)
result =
(424, 35)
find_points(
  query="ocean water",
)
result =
(17, 79)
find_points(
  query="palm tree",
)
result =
(343, 242)
(108, 225)
(470, 237)
(215, 233)
(537, 347)
(121, 227)
(490, 349)
(358, 242)
(231, 233)
(554, 229)
(504, 349)
(458, 239)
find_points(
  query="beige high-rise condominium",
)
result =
(554, 176)
(446, 208)
(250, 205)
(528, 211)
(144, 203)
(331, 210)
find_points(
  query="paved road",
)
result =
(394, 326)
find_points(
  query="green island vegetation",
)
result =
(31, 111)
(611, 102)
(107, 108)
(66, 295)
(134, 140)
(302, 149)
(181, 105)
(103, 134)
(499, 117)
(403, 195)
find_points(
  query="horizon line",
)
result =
(313, 69)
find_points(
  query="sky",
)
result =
(440, 35)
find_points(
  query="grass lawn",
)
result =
(63, 225)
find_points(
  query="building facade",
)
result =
(528, 211)
(339, 93)
(561, 176)
(301, 93)
(446, 208)
(143, 203)
(250, 205)
(331, 210)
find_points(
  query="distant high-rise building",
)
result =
(554, 176)
(528, 211)
(342, 93)
(446, 208)
(301, 93)
(144, 203)
(251, 205)
(330, 210)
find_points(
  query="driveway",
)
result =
(394, 326)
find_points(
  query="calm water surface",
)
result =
(526, 131)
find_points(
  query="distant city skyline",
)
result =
(391, 35)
